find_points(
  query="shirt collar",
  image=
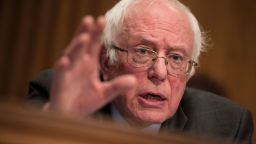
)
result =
(118, 118)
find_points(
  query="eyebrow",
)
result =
(146, 41)
(178, 48)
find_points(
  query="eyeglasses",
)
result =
(142, 58)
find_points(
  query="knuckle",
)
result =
(62, 63)
(87, 19)
(83, 38)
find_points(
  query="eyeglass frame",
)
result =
(191, 63)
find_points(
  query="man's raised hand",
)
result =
(76, 88)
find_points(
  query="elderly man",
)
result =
(150, 51)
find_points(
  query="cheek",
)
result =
(177, 86)
(127, 105)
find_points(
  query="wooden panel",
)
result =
(23, 124)
(231, 59)
(34, 33)
(6, 34)
(20, 47)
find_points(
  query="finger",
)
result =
(78, 47)
(61, 64)
(99, 26)
(87, 25)
(119, 86)
(96, 37)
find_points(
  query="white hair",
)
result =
(115, 17)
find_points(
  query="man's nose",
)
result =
(158, 71)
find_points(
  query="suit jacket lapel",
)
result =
(176, 122)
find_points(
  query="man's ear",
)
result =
(106, 69)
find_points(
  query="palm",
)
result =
(76, 86)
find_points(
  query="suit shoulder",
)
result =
(215, 115)
(203, 101)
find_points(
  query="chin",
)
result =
(148, 117)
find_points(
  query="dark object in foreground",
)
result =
(22, 124)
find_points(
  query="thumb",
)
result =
(119, 86)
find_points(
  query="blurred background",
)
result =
(33, 34)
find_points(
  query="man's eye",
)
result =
(142, 51)
(176, 58)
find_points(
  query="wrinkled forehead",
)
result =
(159, 19)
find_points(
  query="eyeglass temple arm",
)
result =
(118, 48)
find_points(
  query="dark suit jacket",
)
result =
(199, 112)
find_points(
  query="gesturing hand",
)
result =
(76, 87)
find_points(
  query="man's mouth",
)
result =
(153, 97)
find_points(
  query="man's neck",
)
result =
(118, 118)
